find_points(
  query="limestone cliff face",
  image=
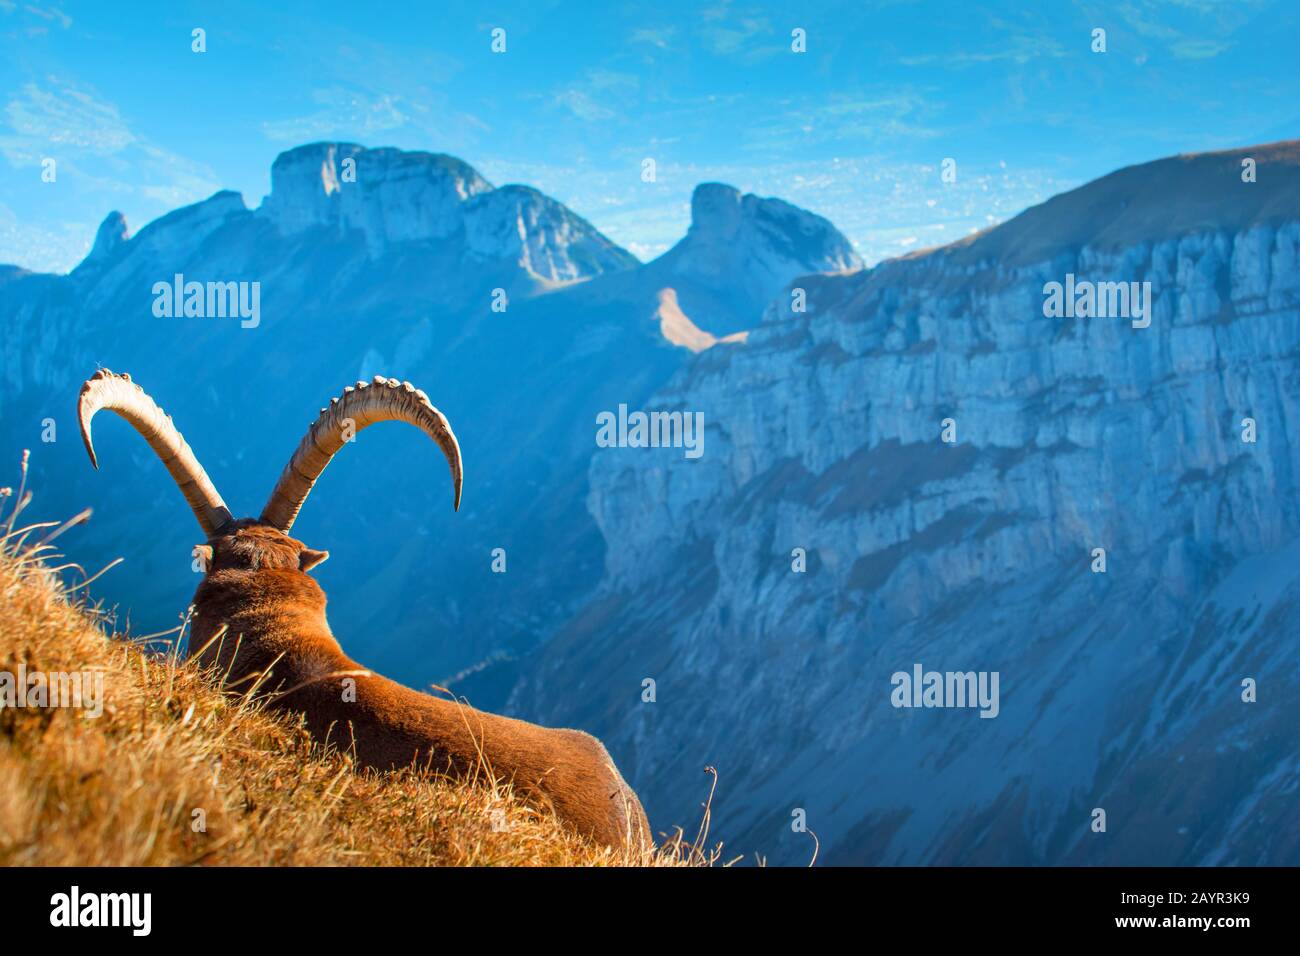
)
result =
(1119, 690)
(391, 196)
(398, 194)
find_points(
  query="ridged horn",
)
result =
(117, 393)
(384, 399)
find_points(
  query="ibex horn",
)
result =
(386, 399)
(117, 393)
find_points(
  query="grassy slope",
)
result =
(121, 789)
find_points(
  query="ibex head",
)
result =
(264, 542)
(249, 545)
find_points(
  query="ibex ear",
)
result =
(203, 552)
(309, 558)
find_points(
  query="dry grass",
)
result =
(123, 789)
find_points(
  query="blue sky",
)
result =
(854, 129)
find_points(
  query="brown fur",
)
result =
(273, 613)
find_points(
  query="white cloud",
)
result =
(582, 105)
(600, 95)
(1190, 29)
(343, 112)
(734, 37)
(863, 122)
(175, 180)
(100, 160)
(89, 135)
(655, 37)
(40, 248)
(45, 119)
(1198, 49)
(53, 14)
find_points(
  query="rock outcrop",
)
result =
(751, 247)
(391, 196)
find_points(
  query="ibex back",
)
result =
(259, 620)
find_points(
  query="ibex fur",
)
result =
(259, 619)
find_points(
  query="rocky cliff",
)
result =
(751, 247)
(1121, 690)
(389, 196)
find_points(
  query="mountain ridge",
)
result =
(1144, 202)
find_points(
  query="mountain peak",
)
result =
(392, 195)
(112, 233)
(398, 195)
(750, 245)
(716, 210)
(544, 236)
(175, 234)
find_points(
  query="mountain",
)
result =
(402, 197)
(520, 320)
(1123, 690)
(741, 251)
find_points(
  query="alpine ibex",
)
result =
(259, 617)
